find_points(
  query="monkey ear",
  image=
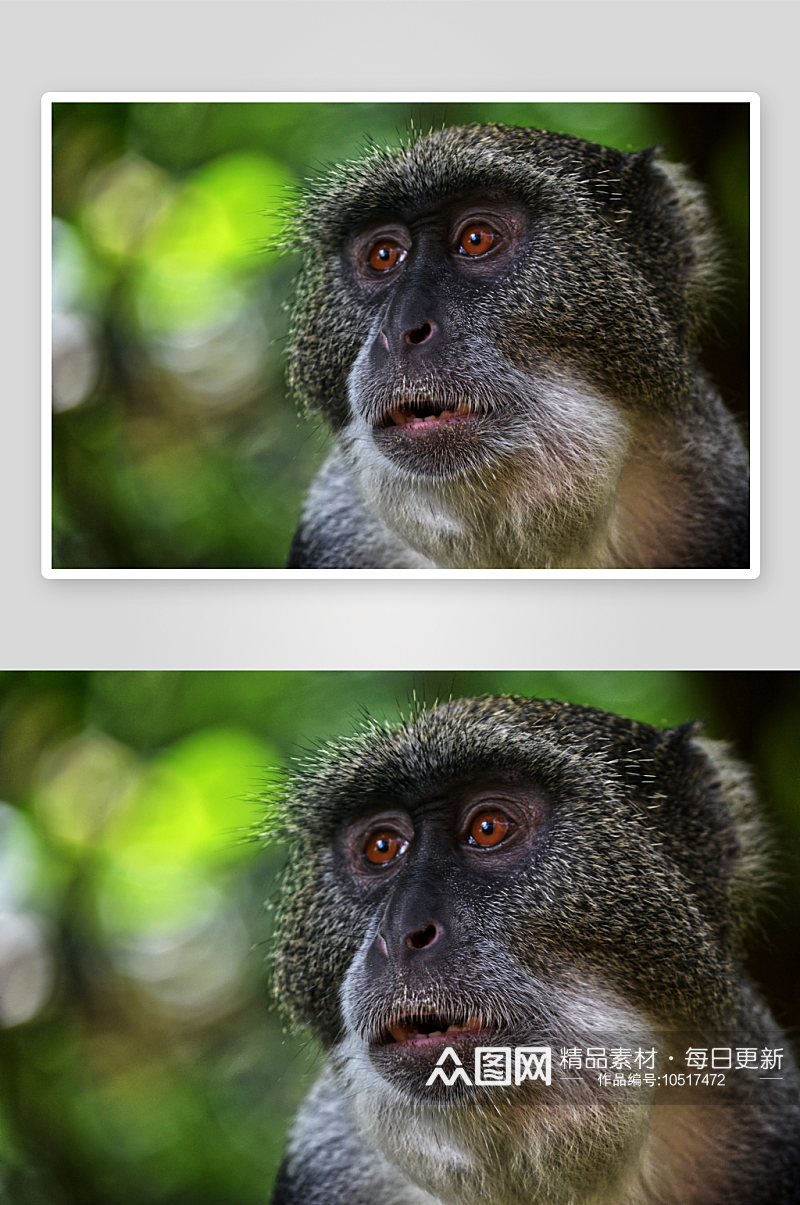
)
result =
(665, 219)
(706, 805)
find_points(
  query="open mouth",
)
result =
(433, 437)
(426, 414)
(428, 1028)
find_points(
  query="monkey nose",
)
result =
(412, 336)
(420, 939)
(420, 334)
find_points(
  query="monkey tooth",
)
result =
(405, 416)
(408, 1029)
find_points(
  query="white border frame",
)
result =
(750, 98)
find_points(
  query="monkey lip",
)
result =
(423, 416)
(433, 439)
(427, 1030)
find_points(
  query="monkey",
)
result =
(505, 874)
(500, 326)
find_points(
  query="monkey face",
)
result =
(419, 381)
(451, 962)
(448, 419)
(430, 975)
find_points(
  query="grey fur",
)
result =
(626, 917)
(596, 441)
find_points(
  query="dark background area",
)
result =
(141, 1058)
(174, 445)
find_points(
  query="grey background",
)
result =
(374, 46)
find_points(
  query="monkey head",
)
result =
(497, 322)
(504, 872)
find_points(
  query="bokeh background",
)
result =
(141, 1059)
(174, 444)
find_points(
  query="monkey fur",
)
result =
(500, 326)
(609, 913)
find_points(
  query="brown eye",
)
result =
(489, 828)
(476, 239)
(384, 845)
(385, 255)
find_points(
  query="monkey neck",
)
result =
(652, 523)
(675, 494)
(694, 1154)
(671, 1154)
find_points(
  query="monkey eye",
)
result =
(490, 828)
(477, 239)
(384, 845)
(386, 254)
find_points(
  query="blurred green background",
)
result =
(174, 445)
(141, 1060)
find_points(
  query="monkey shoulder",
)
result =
(327, 1163)
(336, 531)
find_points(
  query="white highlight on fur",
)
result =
(543, 493)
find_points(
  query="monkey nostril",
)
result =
(419, 334)
(420, 939)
